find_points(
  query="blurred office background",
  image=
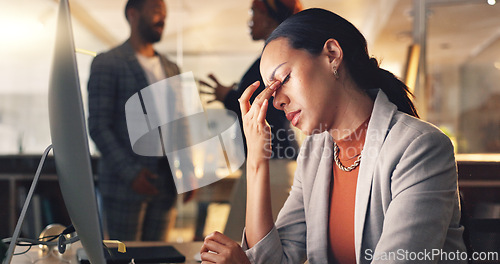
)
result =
(448, 50)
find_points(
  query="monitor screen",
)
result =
(70, 141)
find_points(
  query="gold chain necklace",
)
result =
(339, 164)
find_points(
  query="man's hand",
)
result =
(220, 91)
(142, 185)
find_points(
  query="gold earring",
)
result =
(335, 72)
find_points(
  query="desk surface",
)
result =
(188, 249)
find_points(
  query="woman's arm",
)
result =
(423, 215)
(259, 220)
(218, 248)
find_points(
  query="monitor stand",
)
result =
(17, 230)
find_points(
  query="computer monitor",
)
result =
(70, 142)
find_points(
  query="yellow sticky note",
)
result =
(121, 247)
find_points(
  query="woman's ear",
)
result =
(334, 53)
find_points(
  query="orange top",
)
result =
(342, 198)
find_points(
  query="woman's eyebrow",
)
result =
(274, 71)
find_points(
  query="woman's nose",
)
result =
(279, 101)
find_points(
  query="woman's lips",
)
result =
(293, 117)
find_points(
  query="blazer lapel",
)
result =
(379, 124)
(319, 204)
(167, 68)
(134, 66)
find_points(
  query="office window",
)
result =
(463, 74)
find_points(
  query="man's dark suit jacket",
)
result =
(114, 77)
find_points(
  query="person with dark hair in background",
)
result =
(137, 192)
(266, 15)
(374, 183)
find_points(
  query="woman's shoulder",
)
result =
(413, 126)
(406, 130)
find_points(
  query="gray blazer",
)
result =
(407, 204)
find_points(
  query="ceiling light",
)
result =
(492, 2)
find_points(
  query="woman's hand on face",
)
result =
(218, 248)
(257, 131)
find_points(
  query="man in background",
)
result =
(137, 192)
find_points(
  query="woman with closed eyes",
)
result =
(374, 183)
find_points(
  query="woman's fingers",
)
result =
(211, 258)
(214, 246)
(261, 118)
(254, 120)
(214, 242)
(210, 250)
(218, 248)
(220, 238)
(245, 97)
(264, 95)
(211, 255)
(204, 248)
(267, 93)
